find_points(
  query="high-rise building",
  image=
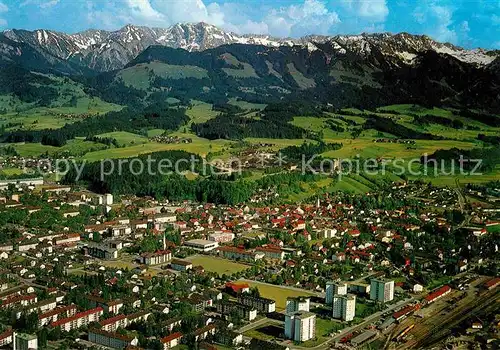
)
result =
(334, 288)
(381, 290)
(294, 304)
(344, 307)
(22, 341)
(300, 326)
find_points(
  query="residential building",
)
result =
(181, 265)
(53, 315)
(247, 313)
(78, 320)
(237, 288)
(294, 304)
(113, 323)
(263, 305)
(300, 326)
(381, 290)
(344, 307)
(239, 254)
(22, 341)
(165, 218)
(171, 340)
(67, 239)
(204, 332)
(358, 287)
(225, 237)
(111, 306)
(6, 338)
(334, 288)
(273, 253)
(110, 339)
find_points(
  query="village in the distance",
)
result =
(411, 266)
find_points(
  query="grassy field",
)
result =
(277, 293)
(268, 331)
(76, 147)
(200, 112)
(246, 72)
(199, 146)
(125, 138)
(493, 229)
(217, 265)
(71, 100)
(246, 105)
(324, 328)
(139, 76)
(302, 81)
(10, 171)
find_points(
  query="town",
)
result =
(383, 270)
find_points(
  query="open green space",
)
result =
(140, 76)
(277, 293)
(125, 138)
(217, 265)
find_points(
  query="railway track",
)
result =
(439, 335)
(429, 333)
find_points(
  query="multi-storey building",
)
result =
(381, 290)
(239, 254)
(181, 265)
(294, 304)
(245, 312)
(261, 304)
(274, 253)
(334, 288)
(344, 307)
(78, 320)
(225, 237)
(113, 323)
(53, 315)
(110, 339)
(171, 340)
(300, 326)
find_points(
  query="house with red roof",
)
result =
(171, 341)
(237, 288)
(78, 320)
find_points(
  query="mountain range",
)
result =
(202, 61)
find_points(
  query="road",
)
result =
(368, 320)
(30, 282)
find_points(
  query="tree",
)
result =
(43, 336)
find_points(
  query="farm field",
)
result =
(200, 112)
(199, 146)
(217, 265)
(366, 148)
(277, 293)
(76, 147)
(125, 138)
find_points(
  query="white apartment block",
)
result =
(300, 326)
(334, 288)
(294, 304)
(381, 290)
(344, 307)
